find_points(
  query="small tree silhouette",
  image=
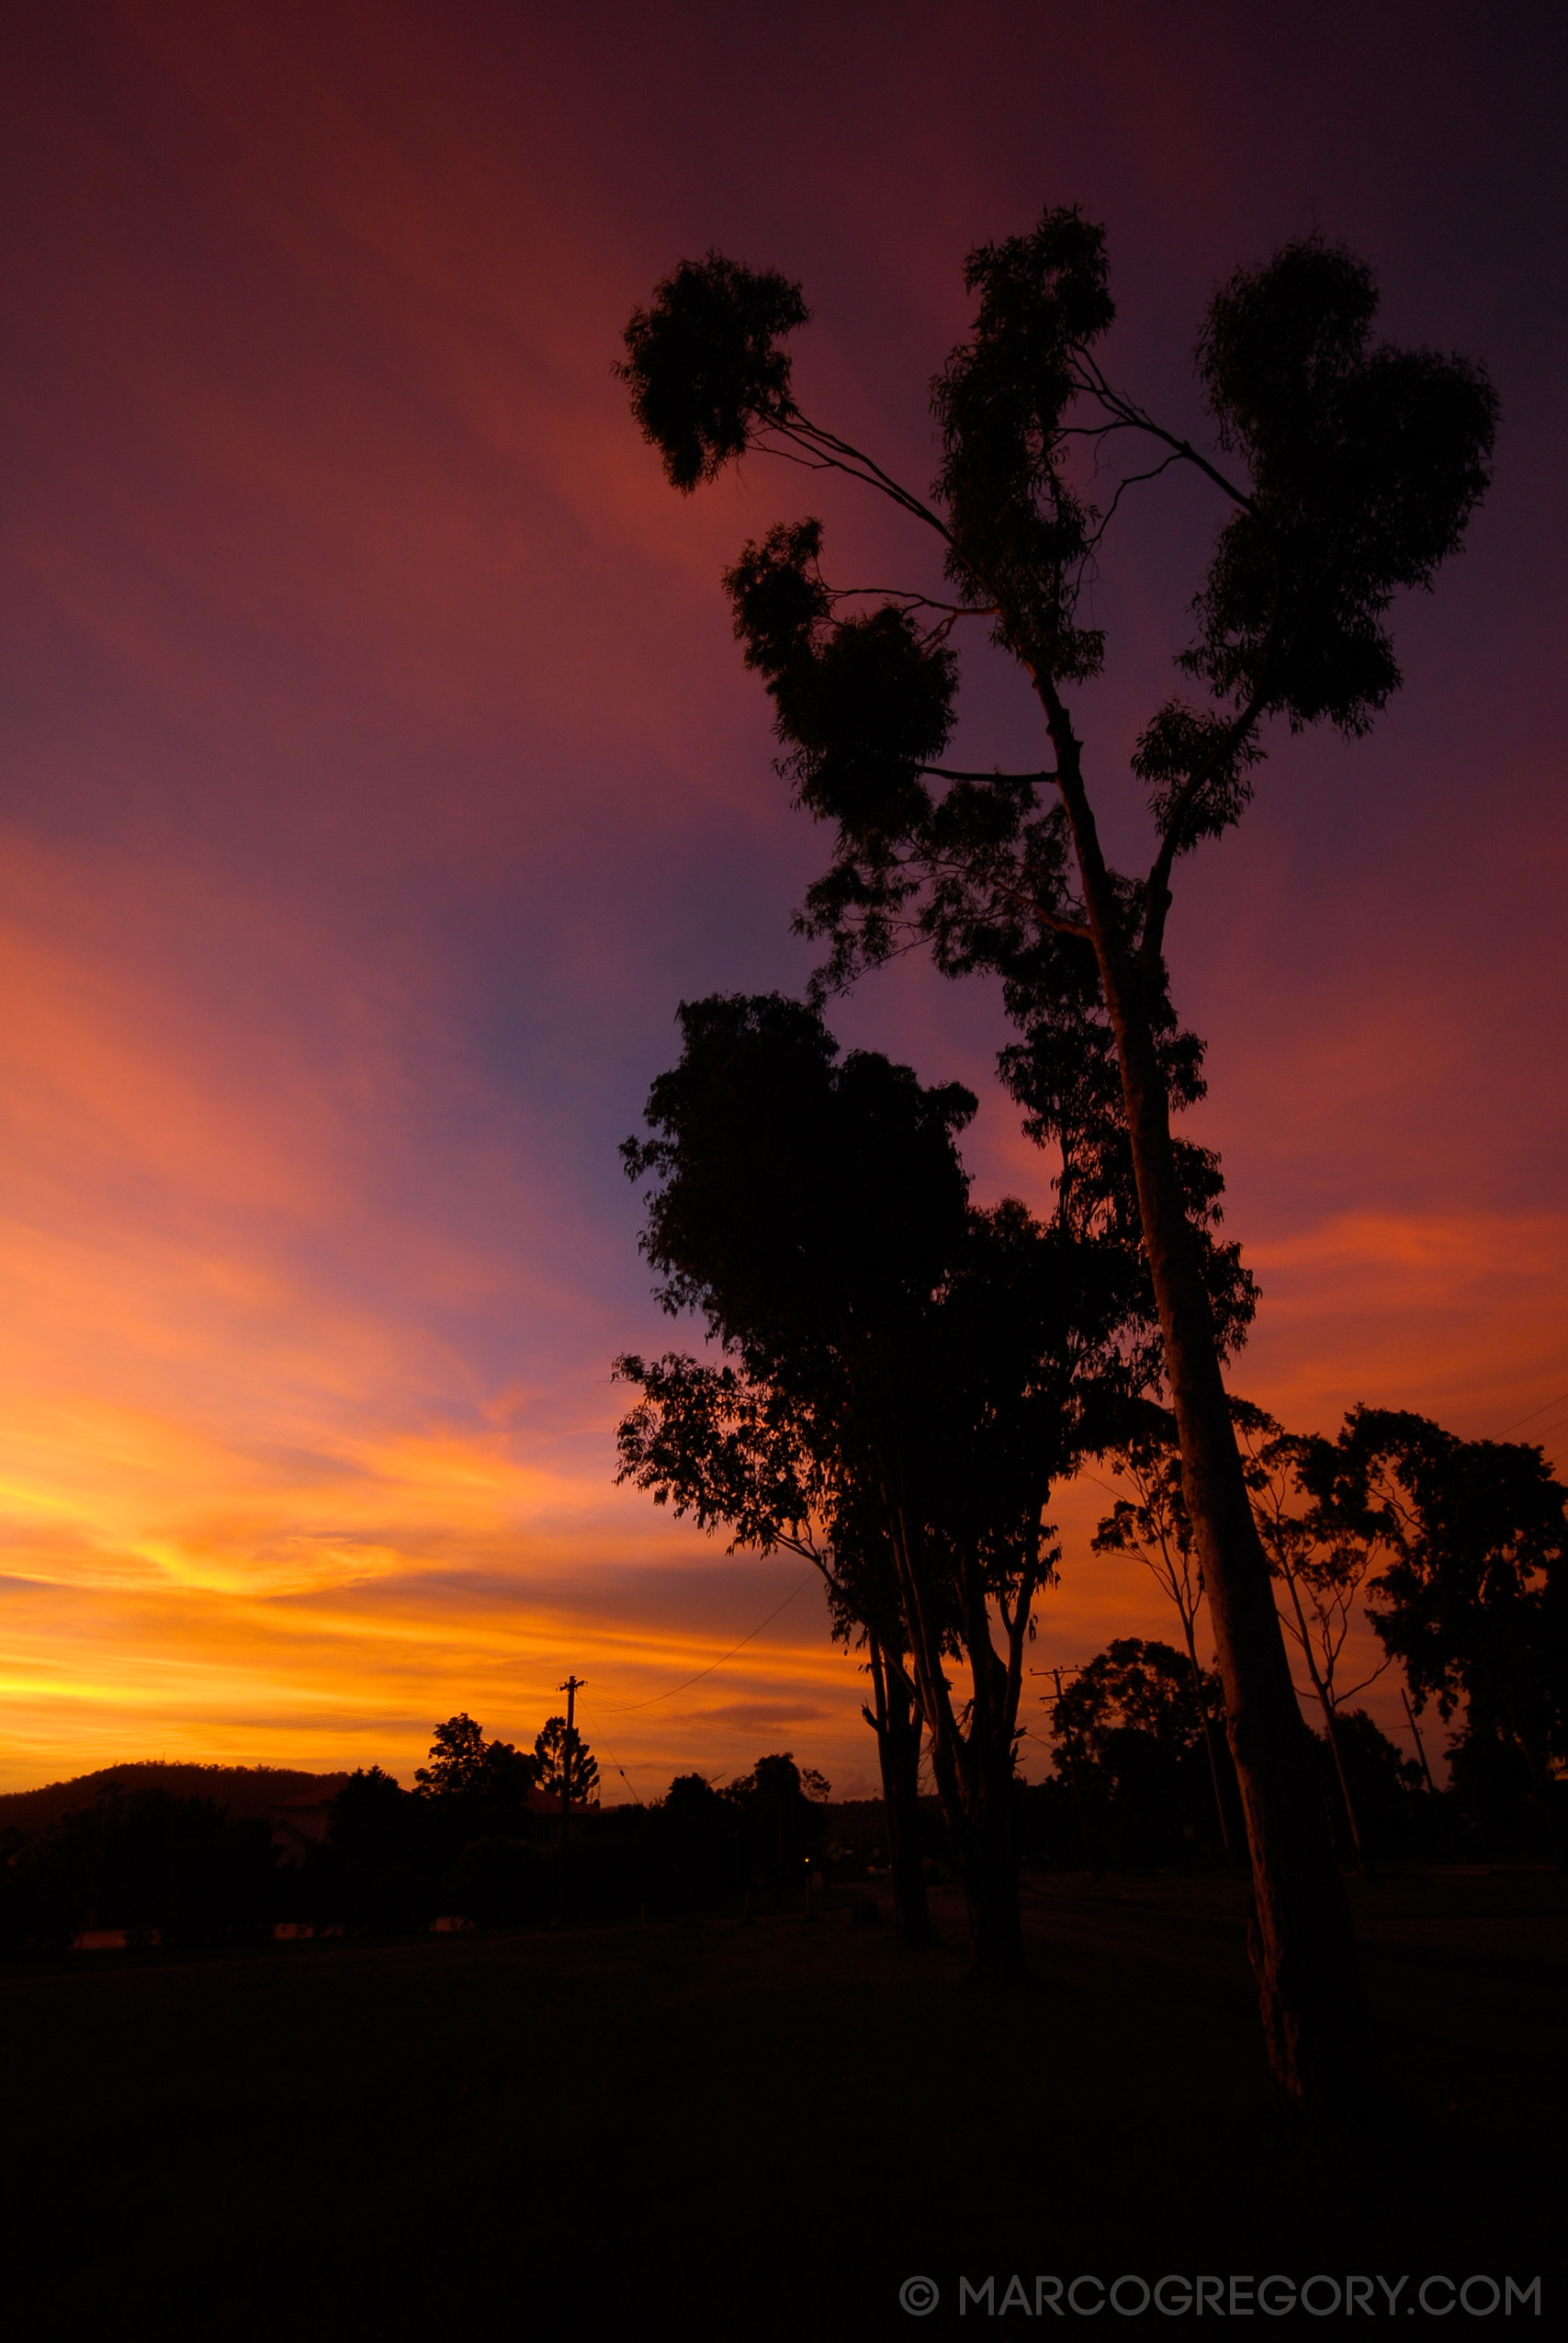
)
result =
(457, 1759)
(1474, 1600)
(581, 1771)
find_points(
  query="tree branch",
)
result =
(1131, 416)
(829, 452)
(947, 773)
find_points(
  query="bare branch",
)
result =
(1132, 479)
(915, 601)
(1386, 1663)
(948, 772)
(1129, 414)
(828, 451)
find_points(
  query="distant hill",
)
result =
(243, 1789)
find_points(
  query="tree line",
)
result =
(897, 1379)
(481, 1836)
(1135, 1783)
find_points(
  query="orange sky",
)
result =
(379, 774)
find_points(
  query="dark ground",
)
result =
(708, 2129)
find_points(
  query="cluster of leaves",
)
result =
(1018, 533)
(1130, 1696)
(1365, 464)
(703, 362)
(863, 704)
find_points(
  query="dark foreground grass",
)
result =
(706, 2130)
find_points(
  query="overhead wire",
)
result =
(610, 1753)
(624, 1708)
(1541, 1411)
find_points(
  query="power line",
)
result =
(624, 1708)
(1545, 1404)
(610, 1753)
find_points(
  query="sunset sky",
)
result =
(379, 773)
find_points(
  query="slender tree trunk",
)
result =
(1316, 2017)
(990, 1895)
(976, 1805)
(990, 1882)
(1333, 1731)
(897, 1729)
(1208, 1739)
(990, 1867)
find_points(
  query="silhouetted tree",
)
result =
(576, 1766)
(385, 1848)
(1392, 1801)
(457, 1759)
(373, 1818)
(780, 1804)
(715, 1444)
(1127, 1731)
(1489, 1791)
(1346, 470)
(945, 1365)
(1475, 1602)
(695, 1834)
(477, 1786)
(1319, 1555)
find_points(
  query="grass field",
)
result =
(715, 2129)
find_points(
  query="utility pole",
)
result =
(1420, 1745)
(571, 1687)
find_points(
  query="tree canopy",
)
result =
(907, 1375)
(1474, 1600)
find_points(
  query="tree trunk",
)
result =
(974, 1780)
(897, 1729)
(1208, 1739)
(990, 1895)
(977, 1809)
(1543, 1787)
(983, 1830)
(1357, 1840)
(1315, 2016)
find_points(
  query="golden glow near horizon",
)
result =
(253, 1510)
